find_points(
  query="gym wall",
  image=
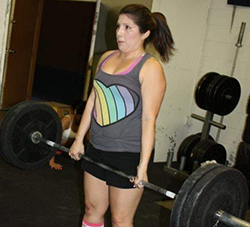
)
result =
(204, 43)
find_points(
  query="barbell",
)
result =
(213, 195)
(36, 137)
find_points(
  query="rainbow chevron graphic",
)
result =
(112, 103)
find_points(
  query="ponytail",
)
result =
(161, 37)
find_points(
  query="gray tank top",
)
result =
(116, 116)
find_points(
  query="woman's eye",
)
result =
(128, 27)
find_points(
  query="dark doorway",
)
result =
(63, 50)
(24, 25)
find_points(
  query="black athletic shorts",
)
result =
(123, 161)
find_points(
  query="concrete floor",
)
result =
(48, 198)
(45, 197)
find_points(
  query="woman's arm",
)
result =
(86, 117)
(78, 146)
(153, 86)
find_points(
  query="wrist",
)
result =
(78, 140)
(143, 166)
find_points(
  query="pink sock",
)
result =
(87, 224)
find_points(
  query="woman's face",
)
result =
(128, 35)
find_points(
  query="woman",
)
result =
(121, 113)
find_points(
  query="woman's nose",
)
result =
(119, 31)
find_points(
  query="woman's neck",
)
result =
(131, 55)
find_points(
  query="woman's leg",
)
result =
(123, 205)
(96, 199)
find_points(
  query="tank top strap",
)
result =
(107, 58)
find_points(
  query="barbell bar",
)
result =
(36, 137)
(230, 220)
(212, 194)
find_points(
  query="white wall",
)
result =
(187, 21)
(218, 55)
(201, 30)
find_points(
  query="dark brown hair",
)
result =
(160, 35)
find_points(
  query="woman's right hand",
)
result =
(76, 150)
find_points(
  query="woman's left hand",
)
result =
(141, 176)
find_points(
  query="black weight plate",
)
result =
(3, 126)
(246, 172)
(207, 150)
(215, 96)
(246, 131)
(214, 86)
(201, 89)
(183, 194)
(21, 121)
(242, 160)
(248, 106)
(185, 149)
(205, 192)
(210, 91)
(226, 96)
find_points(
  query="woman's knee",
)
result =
(95, 209)
(121, 221)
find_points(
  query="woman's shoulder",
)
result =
(151, 68)
(106, 54)
(152, 64)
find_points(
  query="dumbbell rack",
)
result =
(208, 122)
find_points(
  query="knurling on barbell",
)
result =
(205, 193)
